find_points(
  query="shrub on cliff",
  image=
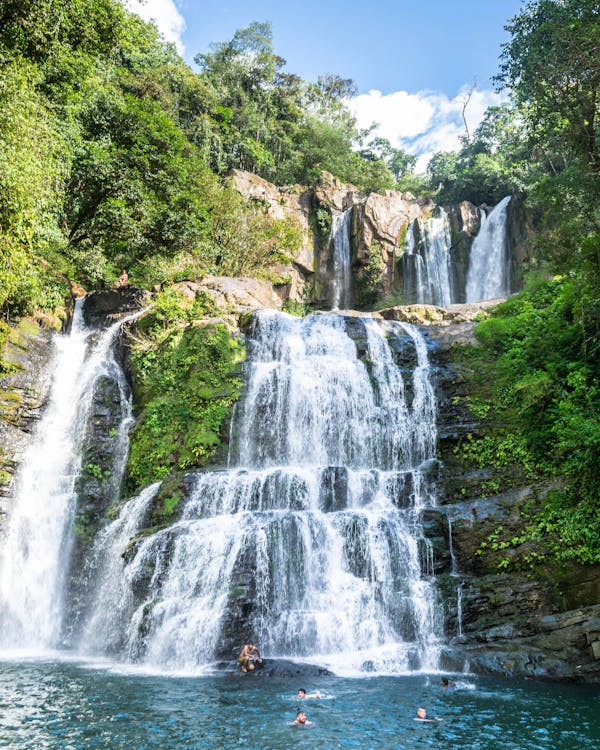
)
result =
(548, 379)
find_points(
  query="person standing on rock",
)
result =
(248, 655)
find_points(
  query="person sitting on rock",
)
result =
(248, 655)
(123, 278)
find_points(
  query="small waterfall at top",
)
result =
(489, 264)
(427, 261)
(310, 541)
(341, 281)
(37, 538)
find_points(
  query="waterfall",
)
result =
(341, 282)
(427, 263)
(310, 541)
(489, 264)
(104, 622)
(37, 538)
(459, 612)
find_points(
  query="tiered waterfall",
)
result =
(310, 541)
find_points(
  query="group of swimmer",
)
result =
(251, 654)
(301, 714)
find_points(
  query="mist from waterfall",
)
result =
(37, 536)
(489, 264)
(316, 520)
(340, 242)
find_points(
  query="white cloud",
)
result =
(165, 14)
(422, 123)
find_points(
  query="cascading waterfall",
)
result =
(105, 620)
(312, 536)
(489, 264)
(341, 281)
(37, 537)
(427, 263)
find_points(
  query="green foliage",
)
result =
(540, 411)
(293, 307)
(5, 367)
(112, 151)
(322, 220)
(186, 381)
(368, 284)
(271, 122)
(551, 64)
(495, 162)
(93, 470)
(507, 452)
(168, 502)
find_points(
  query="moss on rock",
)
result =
(186, 380)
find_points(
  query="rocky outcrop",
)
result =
(503, 619)
(293, 202)
(232, 296)
(427, 315)
(465, 222)
(23, 392)
(106, 306)
(520, 232)
(379, 225)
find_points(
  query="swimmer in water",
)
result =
(445, 683)
(301, 719)
(303, 695)
(422, 716)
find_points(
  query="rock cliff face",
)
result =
(513, 622)
(379, 226)
(23, 393)
(279, 203)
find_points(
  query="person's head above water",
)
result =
(301, 693)
(301, 717)
(422, 713)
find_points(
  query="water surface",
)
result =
(71, 706)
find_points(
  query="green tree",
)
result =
(552, 64)
(495, 161)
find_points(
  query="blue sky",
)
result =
(411, 61)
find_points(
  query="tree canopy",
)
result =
(108, 139)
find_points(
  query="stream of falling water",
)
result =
(489, 262)
(37, 538)
(315, 524)
(341, 278)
